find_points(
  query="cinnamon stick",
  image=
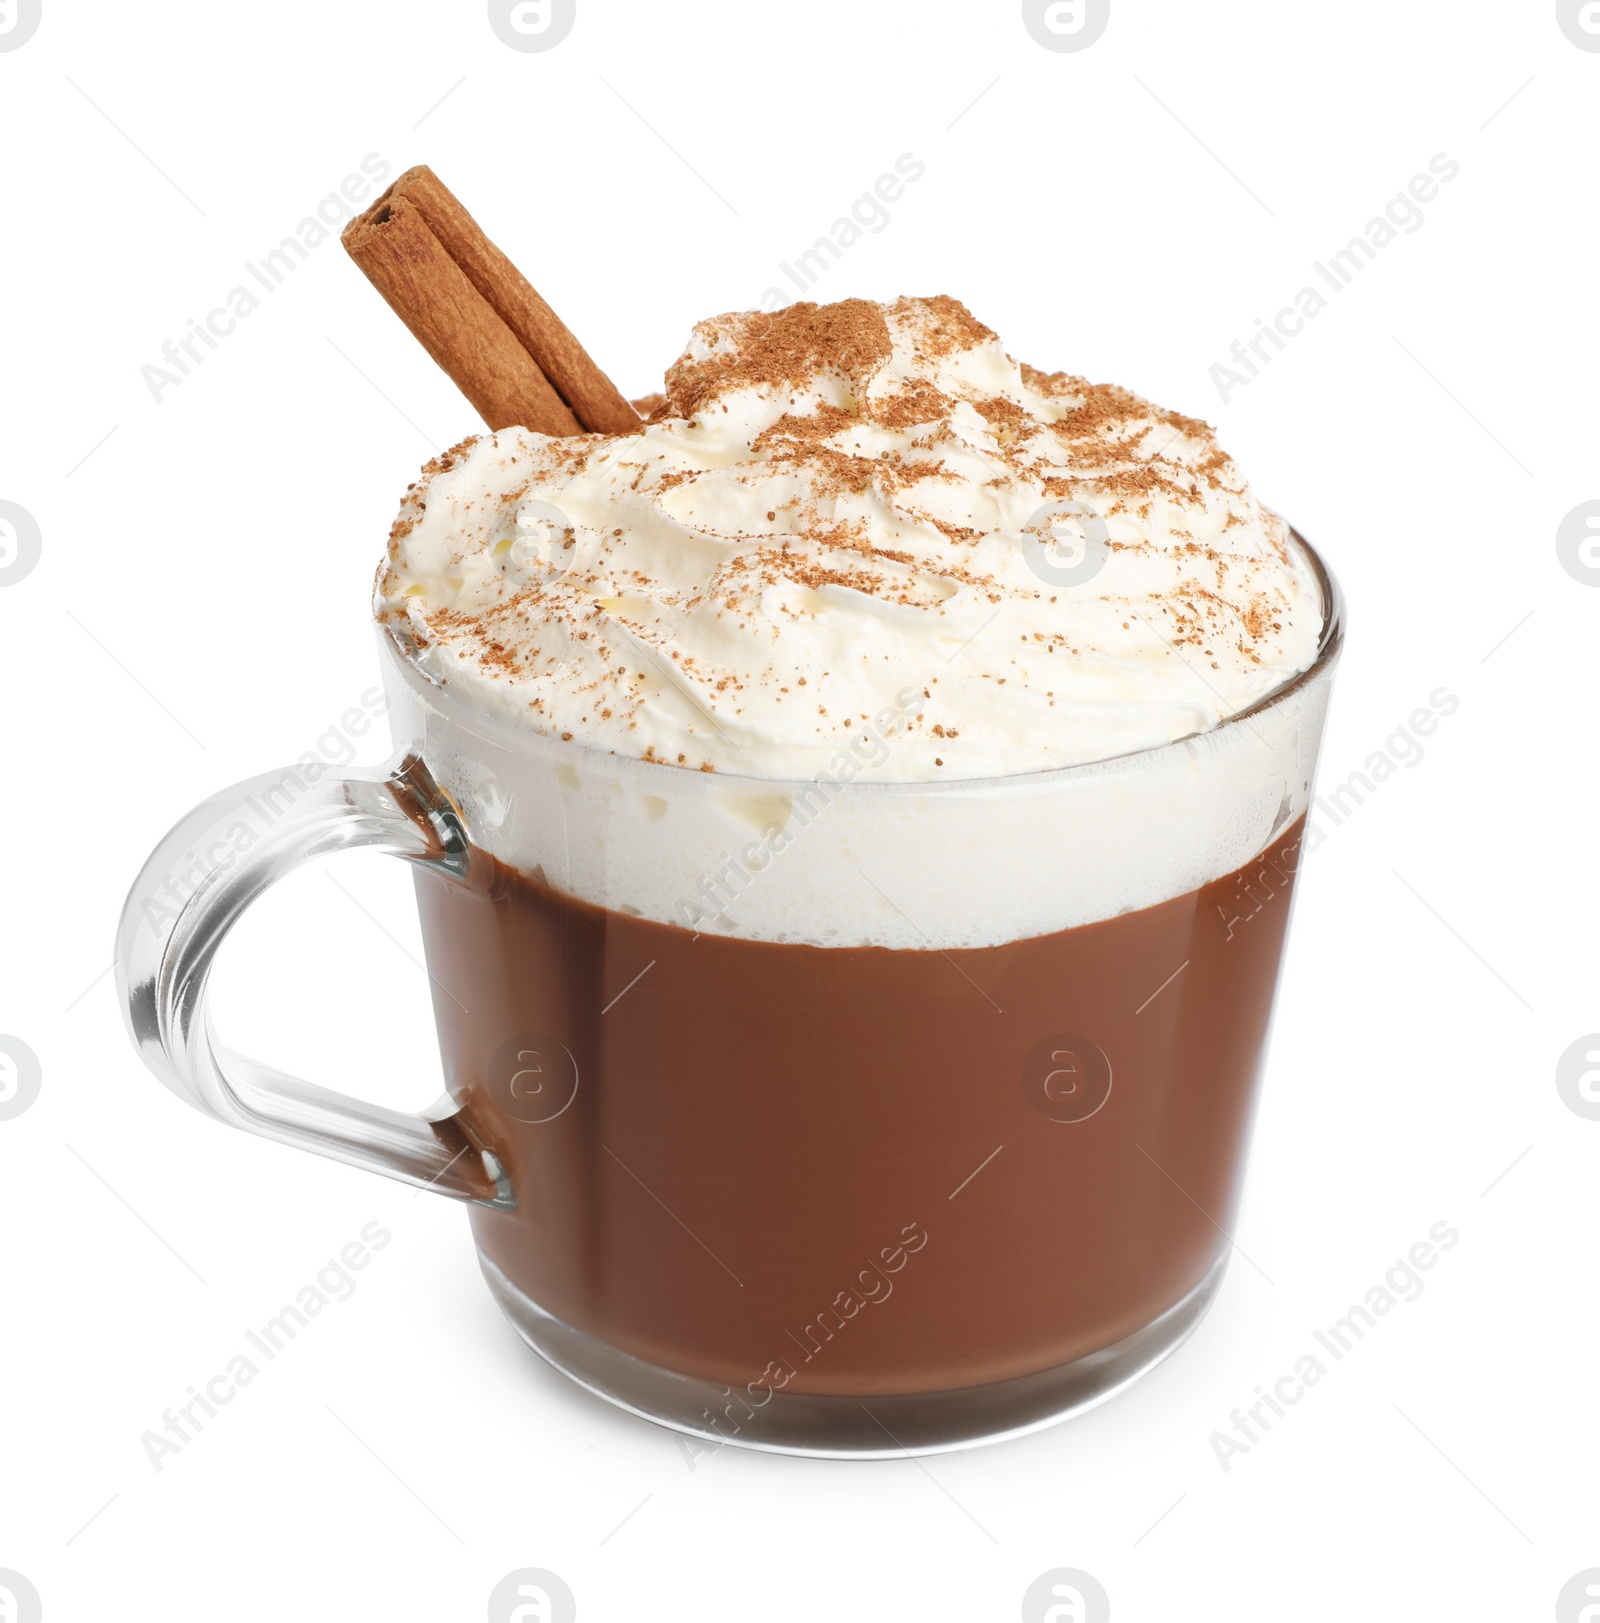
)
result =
(459, 328)
(594, 400)
(589, 395)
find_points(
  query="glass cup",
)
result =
(827, 1117)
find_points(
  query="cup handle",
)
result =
(198, 882)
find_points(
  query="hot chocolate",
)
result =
(884, 770)
(854, 812)
(857, 1171)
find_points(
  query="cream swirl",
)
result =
(855, 524)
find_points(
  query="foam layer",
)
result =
(844, 861)
(854, 534)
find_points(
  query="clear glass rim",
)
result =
(508, 735)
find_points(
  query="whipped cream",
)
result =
(862, 533)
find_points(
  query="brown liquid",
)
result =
(758, 1170)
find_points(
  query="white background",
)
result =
(200, 613)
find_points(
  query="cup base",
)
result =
(876, 1426)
